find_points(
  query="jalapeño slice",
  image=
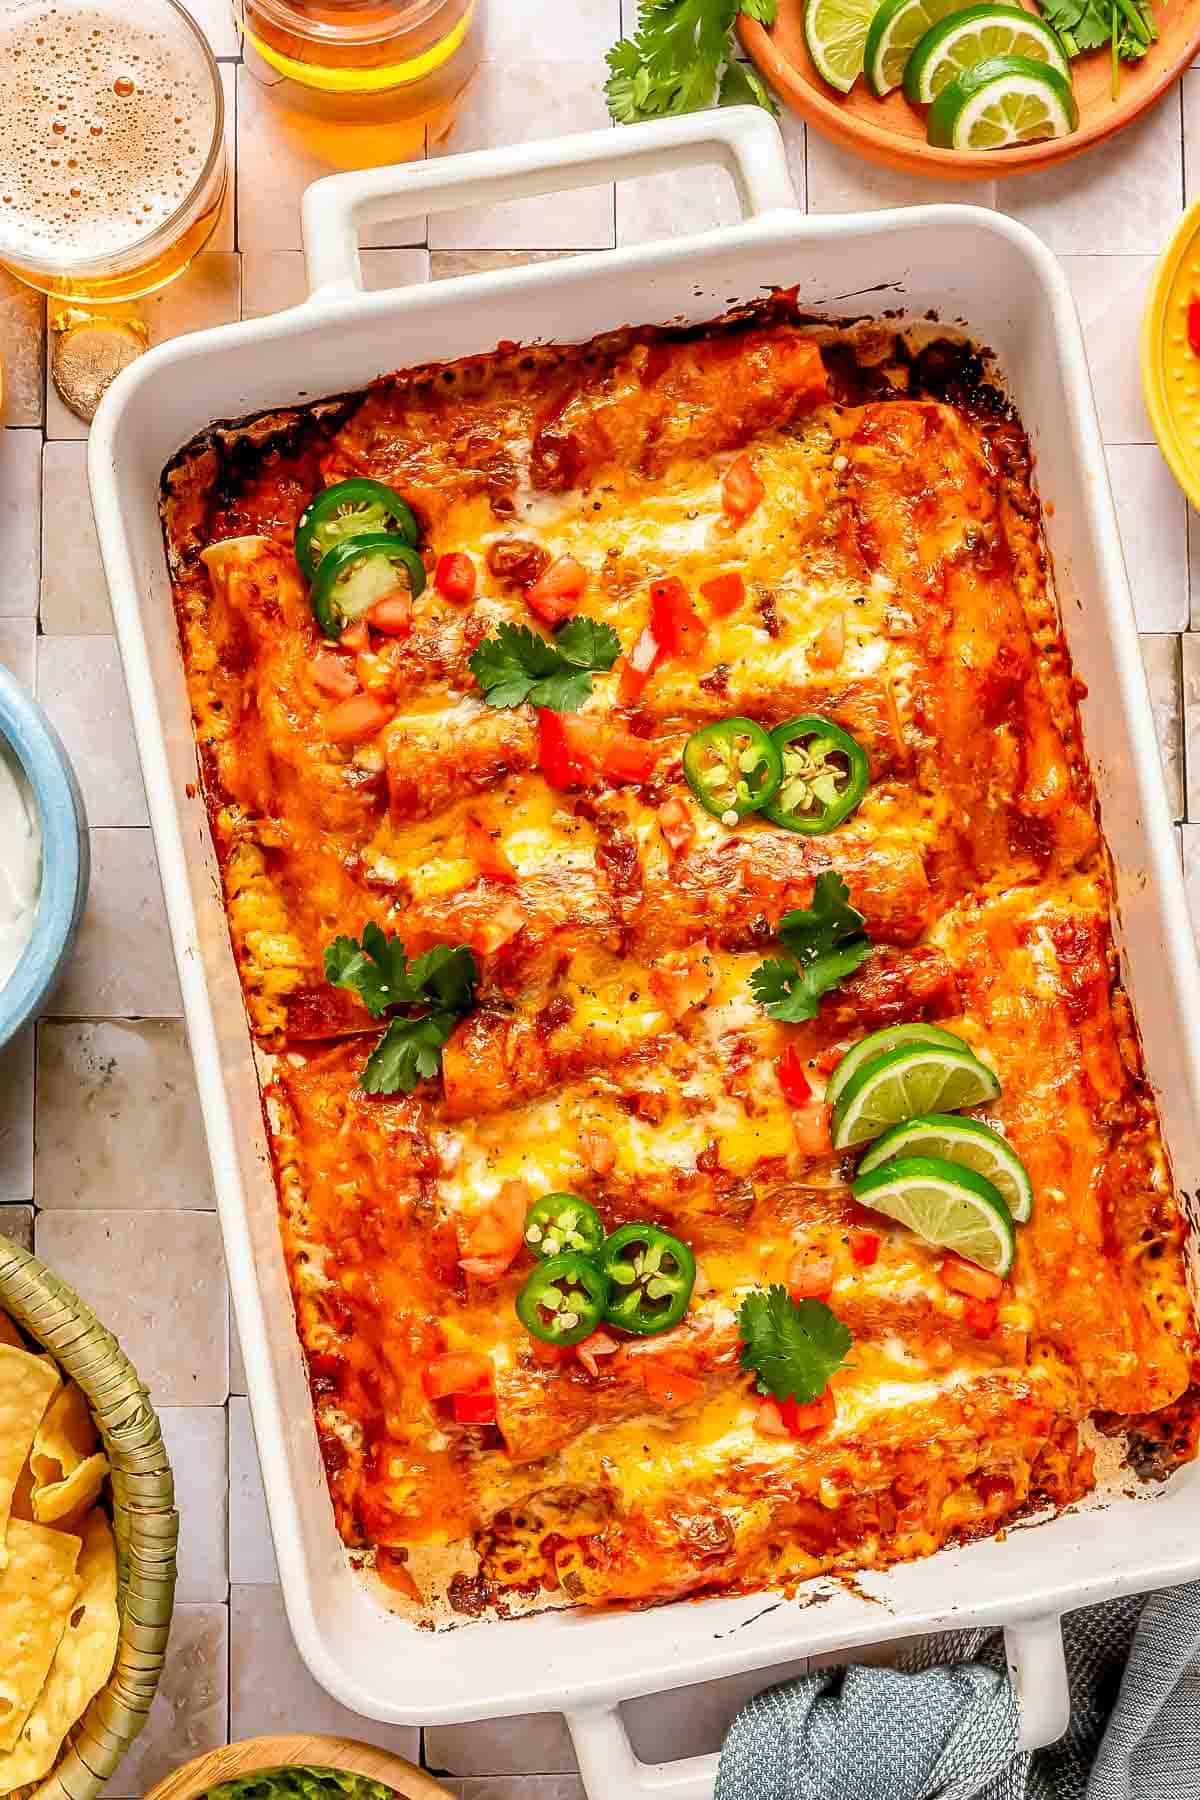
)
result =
(358, 573)
(732, 767)
(563, 1300)
(350, 509)
(825, 775)
(559, 1222)
(651, 1276)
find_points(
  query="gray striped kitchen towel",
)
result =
(942, 1724)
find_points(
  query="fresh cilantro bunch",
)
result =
(826, 942)
(377, 969)
(792, 1346)
(1127, 26)
(519, 664)
(679, 59)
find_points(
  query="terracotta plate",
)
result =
(893, 132)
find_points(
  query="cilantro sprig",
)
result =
(791, 1346)
(1126, 26)
(519, 664)
(826, 942)
(441, 983)
(680, 59)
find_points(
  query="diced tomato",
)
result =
(334, 676)
(597, 1150)
(604, 744)
(810, 1125)
(558, 763)
(981, 1316)
(475, 1409)
(355, 637)
(724, 593)
(488, 853)
(809, 1277)
(548, 1355)
(553, 595)
(683, 979)
(830, 646)
(827, 1060)
(500, 927)
(392, 615)
(495, 1234)
(742, 489)
(454, 577)
(792, 1079)
(459, 1372)
(670, 1387)
(357, 719)
(1193, 325)
(802, 1421)
(675, 625)
(597, 1345)
(768, 1421)
(864, 1247)
(675, 822)
(635, 670)
(968, 1278)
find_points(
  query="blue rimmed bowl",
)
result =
(65, 859)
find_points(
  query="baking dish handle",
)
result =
(743, 139)
(611, 1771)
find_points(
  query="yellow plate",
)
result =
(1170, 367)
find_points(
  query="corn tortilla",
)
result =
(66, 1463)
(81, 1665)
(27, 1386)
(38, 1589)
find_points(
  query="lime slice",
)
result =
(1006, 100)
(896, 29)
(877, 1042)
(835, 32)
(969, 1144)
(965, 38)
(902, 1084)
(946, 1205)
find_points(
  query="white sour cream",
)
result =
(20, 861)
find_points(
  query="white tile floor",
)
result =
(118, 1167)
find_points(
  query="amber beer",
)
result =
(112, 166)
(399, 63)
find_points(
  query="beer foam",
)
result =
(107, 122)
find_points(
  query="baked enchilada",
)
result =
(663, 870)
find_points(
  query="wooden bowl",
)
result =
(253, 1754)
(892, 131)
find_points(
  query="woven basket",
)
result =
(145, 1523)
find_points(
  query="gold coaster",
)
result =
(89, 354)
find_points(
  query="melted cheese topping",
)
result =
(616, 1049)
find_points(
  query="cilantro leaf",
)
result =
(587, 643)
(673, 61)
(376, 970)
(518, 664)
(409, 1052)
(826, 943)
(792, 1346)
(743, 86)
(379, 972)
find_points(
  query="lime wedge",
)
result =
(969, 1144)
(965, 38)
(902, 1084)
(946, 1205)
(896, 29)
(891, 1037)
(1006, 100)
(835, 32)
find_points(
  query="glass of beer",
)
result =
(113, 169)
(402, 63)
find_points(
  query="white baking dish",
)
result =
(969, 264)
